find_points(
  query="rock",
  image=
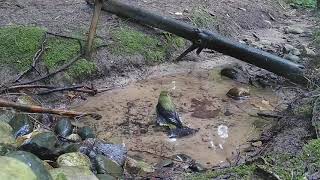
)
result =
(296, 52)
(309, 52)
(47, 165)
(139, 168)
(86, 132)
(63, 128)
(257, 144)
(116, 152)
(105, 177)
(74, 138)
(42, 145)
(72, 173)
(6, 137)
(164, 163)
(13, 169)
(6, 116)
(74, 159)
(238, 93)
(21, 125)
(33, 162)
(196, 167)
(22, 139)
(293, 30)
(287, 48)
(6, 148)
(292, 58)
(235, 73)
(68, 148)
(107, 166)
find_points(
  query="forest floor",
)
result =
(137, 62)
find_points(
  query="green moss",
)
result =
(304, 109)
(239, 172)
(202, 19)
(129, 42)
(18, 45)
(82, 68)
(59, 51)
(303, 3)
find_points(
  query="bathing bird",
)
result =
(166, 112)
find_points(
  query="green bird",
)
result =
(166, 112)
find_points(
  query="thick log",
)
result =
(211, 40)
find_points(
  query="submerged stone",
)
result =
(140, 168)
(13, 169)
(238, 93)
(33, 162)
(21, 125)
(182, 132)
(74, 159)
(63, 128)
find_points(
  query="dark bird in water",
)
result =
(166, 112)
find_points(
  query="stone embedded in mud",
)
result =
(72, 173)
(13, 169)
(21, 125)
(287, 48)
(86, 132)
(33, 162)
(140, 168)
(63, 127)
(107, 166)
(116, 152)
(74, 138)
(42, 145)
(182, 157)
(238, 93)
(74, 159)
(6, 137)
(164, 163)
(293, 30)
(196, 167)
(235, 73)
(105, 177)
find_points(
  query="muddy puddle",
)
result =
(225, 124)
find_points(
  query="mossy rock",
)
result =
(13, 169)
(107, 166)
(33, 162)
(74, 159)
(6, 137)
(72, 173)
(21, 125)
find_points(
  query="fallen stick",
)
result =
(72, 88)
(19, 87)
(35, 59)
(42, 110)
(62, 68)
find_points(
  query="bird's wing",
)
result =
(171, 117)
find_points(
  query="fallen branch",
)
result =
(42, 110)
(35, 59)
(19, 87)
(62, 68)
(72, 88)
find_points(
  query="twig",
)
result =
(72, 88)
(62, 68)
(35, 59)
(64, 36)
(42, 110)
(19, 87)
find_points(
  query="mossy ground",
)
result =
(303, 3)
(19, 44)
(202, 19)
(128, 41)
(283, 165)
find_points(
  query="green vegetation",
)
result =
(202, 18)
(240, 172)
(154, 49)
(303, 3)
(18, 46)
(283, 165)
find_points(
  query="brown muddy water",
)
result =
(225, 124)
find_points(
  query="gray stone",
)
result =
(293, 30)
(73, 173)
(287, 48)
(295, 52)
(292, 58)
(74, 159)
(13, 169)
(107, 166)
